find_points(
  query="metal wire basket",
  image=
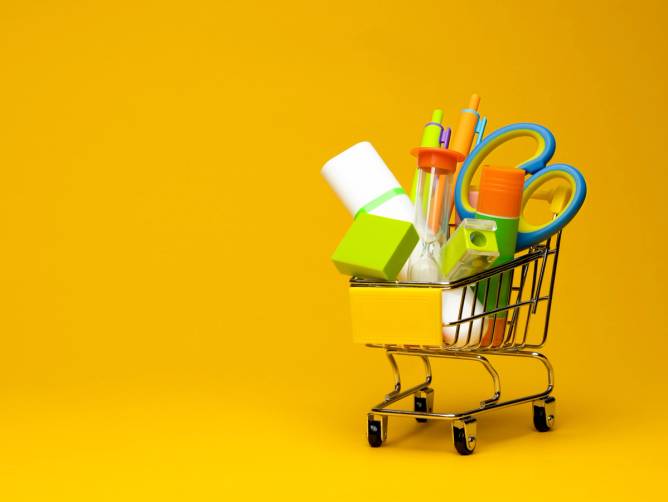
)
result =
(529, 280)
(384, 313)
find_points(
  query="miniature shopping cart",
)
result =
(405, 319)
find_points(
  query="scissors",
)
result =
(564, 202)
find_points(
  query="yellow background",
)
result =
(172, 327)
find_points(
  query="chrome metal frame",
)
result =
(531, 279)
(489, 404)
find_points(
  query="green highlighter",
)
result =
(375, 247)
(433, 137)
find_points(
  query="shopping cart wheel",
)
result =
(464, 435)
(376, 431)
(543, 414)
(424, 401)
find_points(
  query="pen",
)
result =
(466, 129)
(470, 124)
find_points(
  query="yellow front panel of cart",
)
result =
(403, 316)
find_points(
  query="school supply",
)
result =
(469, 125)
(528, 233)
(375, 247)
(365, 185)
(433, 135)
(499, 200)
(436, 167)
(472, 248)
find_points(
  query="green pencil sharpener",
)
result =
(471, 249)
(375, 247)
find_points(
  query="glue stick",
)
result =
(466, 129)
(499, 200)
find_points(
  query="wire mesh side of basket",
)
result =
(528, 281)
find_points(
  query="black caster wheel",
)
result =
(543, 414)
(423, 401)
(464, 435)
(376, 431)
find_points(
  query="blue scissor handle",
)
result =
(528, 234)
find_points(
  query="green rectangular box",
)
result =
(375, 247)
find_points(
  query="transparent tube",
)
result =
(432, 218)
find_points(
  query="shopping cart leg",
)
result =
(464, 435)
(423, 401)
(376, 431)
(544, 413)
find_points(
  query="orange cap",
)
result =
(500, 192)
(440, 158)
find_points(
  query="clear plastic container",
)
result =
(436, 168)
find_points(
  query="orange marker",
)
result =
(466, 129)
(469, 125)
(461, 143)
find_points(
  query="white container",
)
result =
(450, 304)
(359, 177)
(363, 182)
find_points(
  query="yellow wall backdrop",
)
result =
(171, 325)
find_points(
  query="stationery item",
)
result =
(499, 200)
(364, 184)
(433, 135)
(451, 305)
(375, 247)
(528, 233)
(436, 167)
(557, 197)
(469, 125)
(472, 248)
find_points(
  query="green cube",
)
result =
(375, 247)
